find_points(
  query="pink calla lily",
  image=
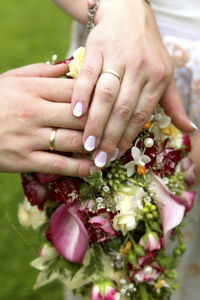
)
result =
(69, 235)
(189, 196)
(171, 207)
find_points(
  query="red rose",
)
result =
(34, 190)
(65, 190)
(167, 161)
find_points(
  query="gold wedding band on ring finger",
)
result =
(52, 139)
(112, 72)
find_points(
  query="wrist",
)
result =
(109, 8)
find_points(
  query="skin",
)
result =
(40, 101)
(194, 154)
(131, 45)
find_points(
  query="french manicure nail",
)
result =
(101, 159)
(78, 109)
(115, 154)
(194, 126)
(90, 142)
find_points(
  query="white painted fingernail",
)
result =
(101, 159)
(78, 109)
(90, 142)
(194, 126)
(115, 154)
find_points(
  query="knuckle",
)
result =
(82, 169)
(123, 111)
(140, 117)
(72, 140)
(109, 144)
(56, 166)
(140, 63)
(27, 113)
(162, 73)
(106, 94)
(87, 71)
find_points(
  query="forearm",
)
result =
(77, 9)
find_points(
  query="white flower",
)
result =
(76, 62)
(161, 128)
(29, 215)
(162, 119)
(139, 159)
(130, 207)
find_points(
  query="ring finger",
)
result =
(105, 96)
(121, 113)
(65, 140)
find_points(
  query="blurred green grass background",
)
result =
(30, 31)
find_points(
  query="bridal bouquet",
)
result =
(105, 236)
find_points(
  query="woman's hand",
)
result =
(33, 102)
(194, 154)
(125, 39)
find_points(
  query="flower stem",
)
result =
(143, 292)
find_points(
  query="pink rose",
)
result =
(102, 291)
(100, 229)
(188, 171)
(150, 242)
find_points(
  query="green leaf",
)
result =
(95, 264)
(132, 259)
(114, 244)
(95, 179)
(87, 192)
(80, 278)
(155, 226)
(140, 179)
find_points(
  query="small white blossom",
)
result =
(139, 159)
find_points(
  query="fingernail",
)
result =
(194, 126)
(78, 109)
(90, 142)
(101, 159)
(115, 154)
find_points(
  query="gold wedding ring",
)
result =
(52, 139)
(110, 71)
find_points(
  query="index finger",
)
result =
(52, 89)
(86, 81)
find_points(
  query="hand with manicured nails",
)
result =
(33, 101)
(126, 40)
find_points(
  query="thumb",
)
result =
(39, 70)
(173, 106)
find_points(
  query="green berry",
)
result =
(177, 252)
(155, 214)
(145, 211)
(149, 216)
(183, 247)
(153, 208)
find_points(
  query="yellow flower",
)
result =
(30, 215)
(176, 138)
(76, 62)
